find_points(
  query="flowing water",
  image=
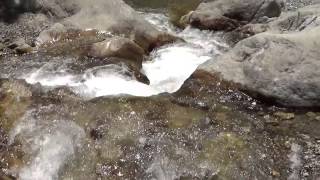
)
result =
(51, 143)
(169, 67)
(141, 138)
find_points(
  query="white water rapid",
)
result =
(171, 65)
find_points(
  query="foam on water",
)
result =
(169, 68)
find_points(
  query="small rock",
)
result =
(272, 122)
(275, 173)
(2, 46)
(284, 115)
(311, 114)
(317, 118)
(20, 46)
(24, 49)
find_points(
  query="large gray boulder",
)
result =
(230, 14)
(281, 67)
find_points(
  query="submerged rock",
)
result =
(225, 152)
(15, 98)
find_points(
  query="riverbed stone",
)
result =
(20, 46)
(284, 115)
(118, 47)
(225, 152)
(15, 98)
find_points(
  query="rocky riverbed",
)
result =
(177, 89)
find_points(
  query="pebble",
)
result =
(2, 46)
(284, 115)
(275, 173)
(311, 114)
(20, 46)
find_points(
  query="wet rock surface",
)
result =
(294, 4)
(276, 66)
(229, 15)
(119, 19)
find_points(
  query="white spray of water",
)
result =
(49, 144)
(295, 159)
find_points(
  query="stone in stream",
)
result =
(284, 115)
(232, 151)
(118, 47)
(227, 15)
(15, 98)
(20, 46)
(2, 46)
(96, 47)
(279, 67)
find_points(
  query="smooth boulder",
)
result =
(280, 67)
(227, 15)
(118, 47)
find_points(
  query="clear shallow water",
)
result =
(169, 67)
